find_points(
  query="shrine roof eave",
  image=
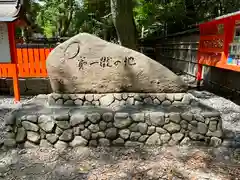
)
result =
(7, 19)
(9, 12)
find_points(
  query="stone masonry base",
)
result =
(156, 124)
(119, 99)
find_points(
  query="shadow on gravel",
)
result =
(117, 163)
(222, 160)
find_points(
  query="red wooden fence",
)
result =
(30, 62)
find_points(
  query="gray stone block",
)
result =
(170, 97)
(59, 102)
(134, 136)
(172, 127)
(160, 130)
(78, 141)
(89, 97)
(177, 137)
(118, 142)
(21, 135)
(30, 145)
(32, 118)
(122, 120)
(33, 137)
(210, 114)
(102, 125)
(63, 125)
(151, 130)
(166, 103)
(111, 133)
(93, 143)
(52, 138)
(154, 140)
(46, 123)
(202, 128)
(69, 102)
(107, 117)
(61, 145)
(106, 100)
(143, 138)
(104, 142)
(187, 116)
(175, 117)
(94, 128)
(138, 117)
(215, 142)
(67, 135)
(131, 144)
(157, 118)
(142, 128)
(213, 125)
(161, 97)
(30, 126)
(45, 144)
(78, 118)
(165, 138)
(94, 117)
(124, 133)
(86, 134)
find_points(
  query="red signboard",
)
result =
(220, 42)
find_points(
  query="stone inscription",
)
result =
(105, 61)
(72, 54)
(72, 51)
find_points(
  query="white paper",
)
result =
(4, 44)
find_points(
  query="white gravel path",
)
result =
(230, 112)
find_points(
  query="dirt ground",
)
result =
(83, 163)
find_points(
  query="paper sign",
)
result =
(4, 44)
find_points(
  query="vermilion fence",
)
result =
(31, 61)
(8, 70)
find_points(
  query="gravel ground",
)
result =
(230, 111)
(166, 163)
(170, 163)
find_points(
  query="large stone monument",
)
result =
(105, 94)
(88, 64)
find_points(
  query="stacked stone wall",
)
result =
(71, 127)
(119, 99)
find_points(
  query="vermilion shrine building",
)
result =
(220, 43)
(9, 18)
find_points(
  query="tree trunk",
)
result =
(68, 17)
(190, 12)
(122, 13)
(142, 32)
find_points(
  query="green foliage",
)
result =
(152, 17)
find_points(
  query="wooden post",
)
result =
(16, 85)
(199, 75)
(11, 36)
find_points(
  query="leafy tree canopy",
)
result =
(64, 18)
